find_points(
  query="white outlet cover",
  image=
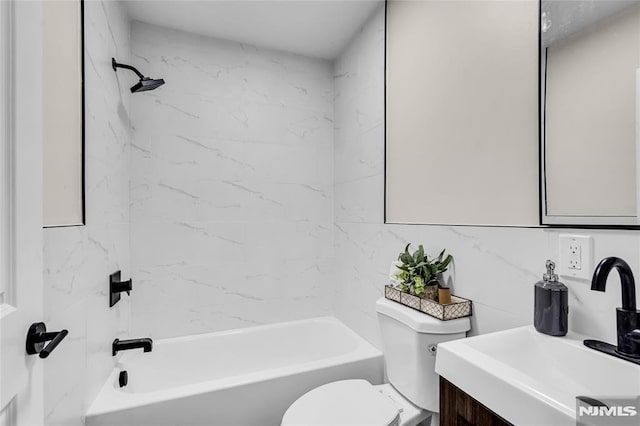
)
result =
(585, 242)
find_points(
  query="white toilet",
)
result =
(409, 340)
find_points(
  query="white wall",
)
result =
(495, 267)
(231, 199)
(78, 260)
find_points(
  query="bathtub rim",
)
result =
(109, 399)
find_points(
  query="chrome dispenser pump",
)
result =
(550, 275)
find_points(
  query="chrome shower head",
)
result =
(144, 84)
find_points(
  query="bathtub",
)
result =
(241, 377)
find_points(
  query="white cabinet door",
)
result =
(21, 387)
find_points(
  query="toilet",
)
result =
(409, 340)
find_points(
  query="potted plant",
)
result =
(420, 275)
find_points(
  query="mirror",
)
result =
(589, 85)
(462, 113)
(63, 113)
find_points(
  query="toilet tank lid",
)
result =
(421, 322)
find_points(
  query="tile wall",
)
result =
(78, 260)
(231, 185)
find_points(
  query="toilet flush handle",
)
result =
(433, 349)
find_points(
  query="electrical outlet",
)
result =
(576, 256)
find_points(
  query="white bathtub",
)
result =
(241, 377)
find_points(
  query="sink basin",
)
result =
(529, 378)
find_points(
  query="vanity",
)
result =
(524, 377)
(459, 408)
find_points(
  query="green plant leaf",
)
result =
(443, 266)
(418, 284)
(405, 252)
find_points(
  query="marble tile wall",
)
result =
(78, 260)
(495, 267)
(231, 185)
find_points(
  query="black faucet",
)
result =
(122, 345)
(628, 318)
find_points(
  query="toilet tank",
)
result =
(409, 340)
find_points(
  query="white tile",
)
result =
(63, 384)
(232, 185)
(78, 260)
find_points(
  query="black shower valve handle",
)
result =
(121, 286)
(116, 286)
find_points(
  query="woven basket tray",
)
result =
(458, 308)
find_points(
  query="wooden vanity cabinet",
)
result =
(459, 409)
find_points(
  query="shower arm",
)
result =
(116, 65)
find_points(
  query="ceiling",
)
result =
(316, 28)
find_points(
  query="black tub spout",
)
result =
(122, 345)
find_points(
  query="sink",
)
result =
(529, 378)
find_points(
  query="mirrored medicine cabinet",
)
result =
(590, 75)
(512, 113)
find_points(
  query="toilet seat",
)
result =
(343, 403)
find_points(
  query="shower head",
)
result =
(144, 84)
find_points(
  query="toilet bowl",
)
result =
(409, 340)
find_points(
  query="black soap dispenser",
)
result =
(551, 310)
